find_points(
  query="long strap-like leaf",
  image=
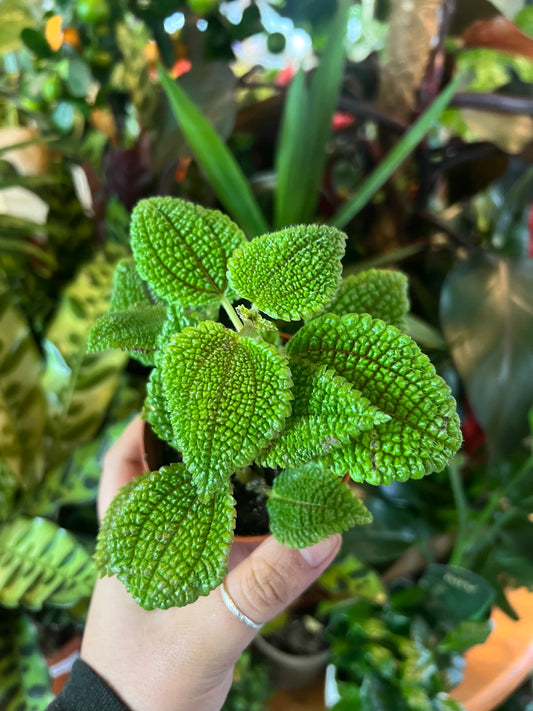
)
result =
(221, 168)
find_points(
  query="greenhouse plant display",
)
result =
(349, 392)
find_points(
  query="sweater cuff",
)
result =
(86, 691)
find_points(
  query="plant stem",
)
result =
(235, 320)
(462, 514)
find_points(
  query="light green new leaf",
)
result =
(327, 410)
(379, 292)
(162, 540)
(22, 401)
(24, 676)
(129, 288)
(42, 563)
(391, 371)
(228, 397)
(291, 274)
(182, 249)
(309, 504)
(135, 329)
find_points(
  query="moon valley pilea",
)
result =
(350, 392)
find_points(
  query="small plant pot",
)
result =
(292, 671)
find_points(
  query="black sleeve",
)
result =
(86, 691)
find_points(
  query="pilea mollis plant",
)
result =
(241, 406)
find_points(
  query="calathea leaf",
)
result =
(135, 329)
(327, 411)
(182, 249)
(24, 677)
(167, 544)
(379, 292)
(227, 395)
(394, 375)
(291, 274)
(309, 504)
(22, 402)
(40, 562)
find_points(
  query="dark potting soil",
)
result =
(252, 514)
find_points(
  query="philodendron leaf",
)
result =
(42, 563)
(395, 376)
(135, 329)
(165, 542)
(309, 504)
(24, 675)
(182, 249)
(327, 411)
(291, 274)
(379, 292)
(227, 395)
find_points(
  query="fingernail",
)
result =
(314, 555)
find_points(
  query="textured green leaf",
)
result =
(42, 563)
(24, 677)
(227, 395)
(309, 504)
(22, 402)
(166, 544)
(128, 287)
(379, 292)
(394, 375)
(135, 329)
(291, 274)
(327, 410)
(155, 409)
(182, 249)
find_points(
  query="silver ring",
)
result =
(232, 607)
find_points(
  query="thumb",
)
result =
(272, 576)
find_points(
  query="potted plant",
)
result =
(348, 393)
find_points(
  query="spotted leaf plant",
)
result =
(246, 409)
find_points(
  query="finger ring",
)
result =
(232, 607)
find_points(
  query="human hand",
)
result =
(182, 658)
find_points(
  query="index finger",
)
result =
(122, 463)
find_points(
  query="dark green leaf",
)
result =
(309, 504)
(392, 373)
(166, 544)
(227, 395)
(467, 634)
(487, 317)
(182, 249)
(290, 274)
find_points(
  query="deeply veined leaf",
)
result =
(182, 249)
(327, 410)
(228, 396)
(22, 402)
(291, 274)
(135, 329)
(379, 292)
(128, 287)
(309, 504)
(167, 544)
(395, 376)
(223, 171)
(24, 676)
(42, 563)
(155, 409)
